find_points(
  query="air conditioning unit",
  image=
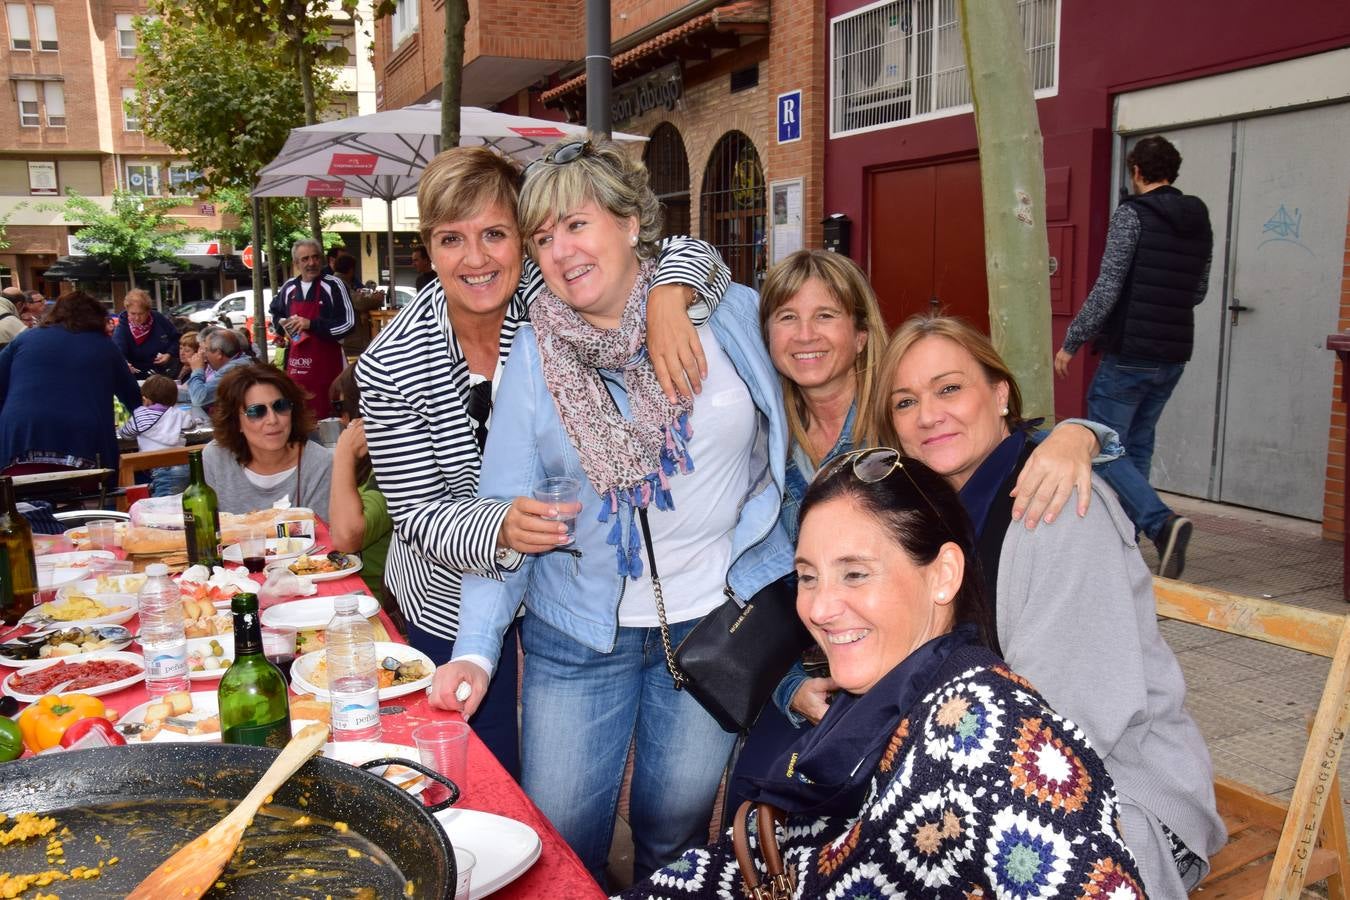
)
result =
(876, 63)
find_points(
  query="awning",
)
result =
(718, 28)
(90, 268)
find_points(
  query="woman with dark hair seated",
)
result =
(67, 357)
(261, 452)
(937, 770)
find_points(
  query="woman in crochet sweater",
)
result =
(937, 771)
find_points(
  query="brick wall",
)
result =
(797, 61)
(1333, 504)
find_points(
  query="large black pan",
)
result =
(166, 774)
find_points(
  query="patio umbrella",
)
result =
(382, 155)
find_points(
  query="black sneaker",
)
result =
(1171, 543)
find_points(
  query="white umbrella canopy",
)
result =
(382, 155)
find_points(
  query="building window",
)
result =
(405, 21)
(182, 179)
(665, 159)
(131, 112)
(28, 104)
(731, 207)
(20, 38)
(54, 96)
(143, 178)
(342, 36)
(46, 26)
(126, 35)
(902, 60)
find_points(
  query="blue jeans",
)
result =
(1129, 395)
(168, 480)
(581, 711)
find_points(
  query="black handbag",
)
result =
(734, 658)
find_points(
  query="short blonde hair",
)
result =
(849, 287)
(974, 342)
(137, 295)
(603, 174)
(461, 182)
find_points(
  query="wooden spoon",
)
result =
(194, 869)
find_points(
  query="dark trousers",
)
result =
(496, 722)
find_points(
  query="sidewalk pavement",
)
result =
(1253, 701)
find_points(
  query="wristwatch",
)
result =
(507, 557)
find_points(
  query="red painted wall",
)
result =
(1104, 50)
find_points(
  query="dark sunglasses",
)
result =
(562, 156)
(281, 406)
(873, 464)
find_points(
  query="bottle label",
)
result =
(166, 662)
(190, 534)
(356, 712)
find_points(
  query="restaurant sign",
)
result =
(662, 88)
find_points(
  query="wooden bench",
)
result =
(1275, 848)
(130, 463)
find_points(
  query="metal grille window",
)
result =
(731, 207)
(902, 60)
(668, 165)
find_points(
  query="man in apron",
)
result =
(311, 313)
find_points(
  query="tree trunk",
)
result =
(131, 276)
(259, 308)
(305, 60)
(1012, 177)
(273, 266)
(452, 70)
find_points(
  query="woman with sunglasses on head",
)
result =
(688, 489)
(261, 452)
(1074, 601)
(938, 771)
(427, 383)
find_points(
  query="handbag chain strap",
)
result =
(780, 883)
(675, 671)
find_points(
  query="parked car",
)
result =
(403, 295)
(190, 307)
(236, 307)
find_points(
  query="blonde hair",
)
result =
(461, 182)
(915, 329)
(603, 174)
(137, 295)
(848, 285)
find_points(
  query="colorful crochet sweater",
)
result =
(983, 791)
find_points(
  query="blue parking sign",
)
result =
(790, 117)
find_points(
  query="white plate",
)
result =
(352, 569)
(207, 703)
(56, 569)
(124, 586)
(73, 657)
(504, 848)
(302, 667)
(354, 753)
(314, 612)
(127, 602)
(98, 691)
(279, 550)
(203, 644)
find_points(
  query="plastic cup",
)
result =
(560, 490)
(329, 430)
(279, 646)
(464, 863)
(102, 534)
(444, 746)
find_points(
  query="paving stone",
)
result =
(1204, 671)
(1185, 636)
(1219, 714)
(1276, 748)
(1268, 658)
(1231, 765)
(1289, 696)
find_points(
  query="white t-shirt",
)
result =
(693, 541)
(267, 482)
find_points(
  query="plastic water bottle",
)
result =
(353, 679)
(162, 638)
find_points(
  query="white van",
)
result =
(237, 307)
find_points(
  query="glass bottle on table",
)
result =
(252, 695)
(18, 565)
(201, 516)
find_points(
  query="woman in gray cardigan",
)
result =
(261, 453)
(1073, 600)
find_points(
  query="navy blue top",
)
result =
(163, 339)
(85, 371)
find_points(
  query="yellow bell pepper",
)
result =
(46, 721)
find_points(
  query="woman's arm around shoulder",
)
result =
(346, 512)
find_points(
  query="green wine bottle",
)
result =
(201, 516)
(18, 568)
(252, 693)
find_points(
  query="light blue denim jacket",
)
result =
(577, 589)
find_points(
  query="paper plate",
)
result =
(504, 848)
(96, 691)
(56, 569)
(124, 609)
(314, 612)
(202, 645)
(114, 587)
(303, 668)
(353, 566)
(354, 753)
(73, 657)
(204, 704)
(278, 550)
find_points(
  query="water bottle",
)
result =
(162, 638)
(353, 679)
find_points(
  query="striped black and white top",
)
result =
(414, 382)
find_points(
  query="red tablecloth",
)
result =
(558, 874)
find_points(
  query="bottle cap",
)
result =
(345, 604)
(156, 570)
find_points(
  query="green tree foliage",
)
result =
(288, 221)
(137, 231)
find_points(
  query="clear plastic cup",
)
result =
(560, 490)
(444, 746)
(102, 534)
(464, 863)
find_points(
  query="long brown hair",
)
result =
(849, 287)
(346, 391)
(233, 385)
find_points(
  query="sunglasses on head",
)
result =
(281, 406)
(565, 154)
(873, 464)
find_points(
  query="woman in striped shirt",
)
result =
(427, 383)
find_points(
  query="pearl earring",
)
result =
(632, 240)
(941, 596)
(1004, 412)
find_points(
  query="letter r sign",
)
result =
(790, 117)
